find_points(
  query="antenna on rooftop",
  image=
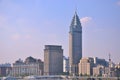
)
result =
(109, 57)
(76, 5)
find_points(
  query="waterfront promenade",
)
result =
(60, 78)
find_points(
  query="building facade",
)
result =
(53, 60)
(30, 66)
(65, 64)
(86, 66)
(75, 44)
(98, 70)
(98, 61)
(117, 65)
(5, 69)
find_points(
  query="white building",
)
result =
(65, 64)
(31, 66)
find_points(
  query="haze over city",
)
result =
(27, 25)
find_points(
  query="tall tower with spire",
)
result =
(75, 44)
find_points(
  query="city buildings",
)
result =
(53, 60)
(104, 68)
(75, 44)
(30, 66)
(5, 69)
(117, 70)
(98, 61)
(99, 66)
(55, 63)
(108, 72)
(65, 64)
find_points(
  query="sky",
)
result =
(27, 25)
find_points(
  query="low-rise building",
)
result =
(117, 65)
(98, 70)
(65, 64)
(109, 72)
(99, 61)
(5, 69)
(30, 66)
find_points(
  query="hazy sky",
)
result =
(27, 25)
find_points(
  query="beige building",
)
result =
(86, 66)
(98, 70)
(31, 66)
(53, 60)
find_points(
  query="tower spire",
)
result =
(75, 20)
(109, 57)
(75, 5)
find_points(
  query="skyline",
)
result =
(26, 26)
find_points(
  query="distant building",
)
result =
(98, 70)
(75, 44)
(108, 72)
(117, 70)
(65, 64)
(30, 66)
(86, 66)
(117, 65)
(104, 68)
(5, 69)
(99, 66)
(98, 61)
(53, 60)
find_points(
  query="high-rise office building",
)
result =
(53, 60)
(75, 44)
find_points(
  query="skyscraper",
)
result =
(75, 44)
(53, 60)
